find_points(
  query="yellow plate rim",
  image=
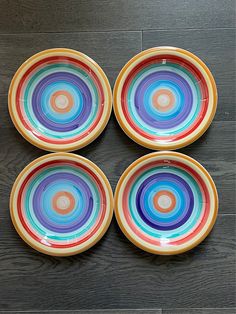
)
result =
(60, 147)
(164, 154)
(54, 251)
(117, 103)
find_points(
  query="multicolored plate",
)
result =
(61, 204)
(60, 100)
(166, 203)
(165, 98)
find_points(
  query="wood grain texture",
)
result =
(133, 311)
(73, 15)
(107, 49)
(200, 311)
(114, 274)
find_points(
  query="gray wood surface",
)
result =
(93, 311)
(90, 15)
(115, 275)
(200, 311)
(135, 311)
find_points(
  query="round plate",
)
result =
(61, 204)
(60, 100)
(165, 98)
(166, 203)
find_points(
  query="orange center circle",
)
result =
(63, 202)
(163, 100)
(61, 101)
(168, 197)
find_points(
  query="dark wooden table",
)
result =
(115, 274)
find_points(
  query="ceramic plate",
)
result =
(165, 98)
(166, 203)
(60, 100)
(61, 204)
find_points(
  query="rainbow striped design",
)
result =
(165, 98)
(61, 204)
(166, 203)
(60, 99)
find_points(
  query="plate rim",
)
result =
(132, 134)
(56, 251)
(180, 156)
(59, 147)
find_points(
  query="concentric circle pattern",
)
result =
(166, 203)
(165, 98)
(60, 100)
(61, 204)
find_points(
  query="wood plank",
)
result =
(210, 46)
(110, 50)
(71, 15)
(200, 311)
(214, 150)
(115, 274)
(133, 311)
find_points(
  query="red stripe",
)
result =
(52, 163)
(52, 60)
(202, 186)
(179, 61)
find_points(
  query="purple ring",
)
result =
(59, 77)
(154, 77)
(183, 190)
(164, 176)
(80, 184)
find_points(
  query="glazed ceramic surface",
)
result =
(166, 203)
(165, 98)
(60, 100)
(61, 204)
